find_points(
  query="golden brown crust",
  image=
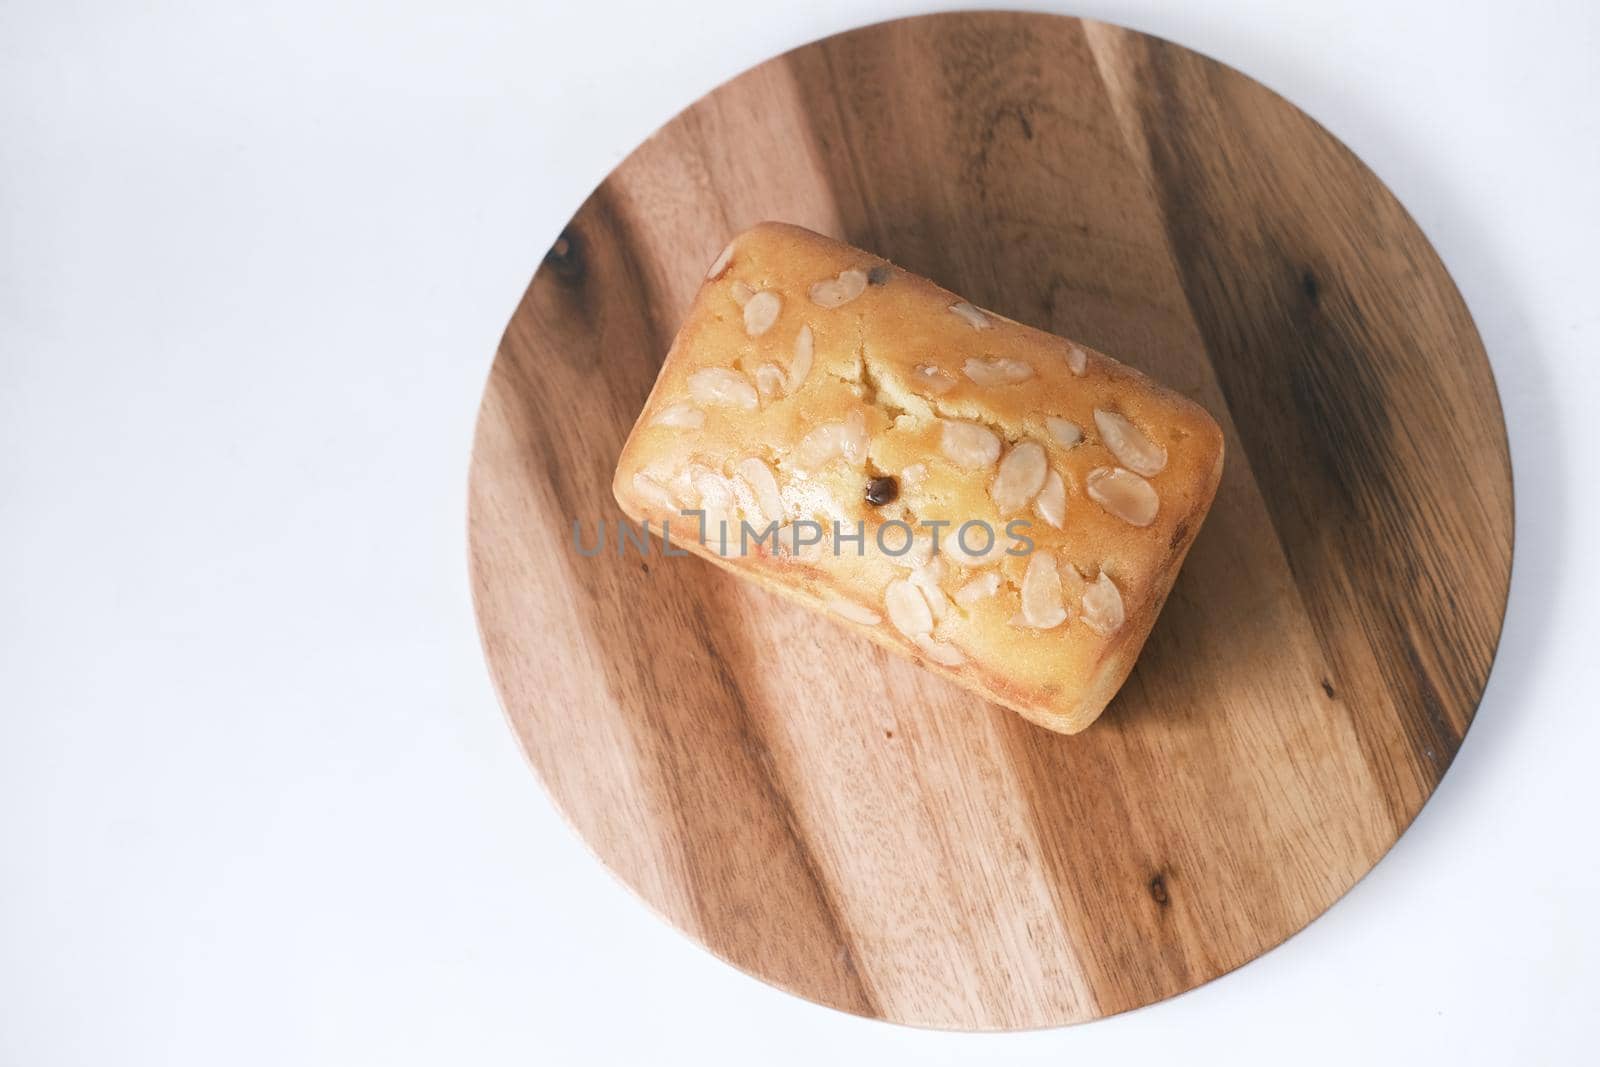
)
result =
(906, 381)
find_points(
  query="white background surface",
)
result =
(257, 801)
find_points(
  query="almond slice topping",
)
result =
(931, 380)
(769, 380)
(719, 385)
(835, 292)
(982, 546)
(1000, 370)
(1131, 447)
(682, 413)
(761, 312)
(907, 608)
(1102, 606)
(969, 445)
(1066, 432)
(983, 586)
(1077, 360)
(1020, 477)
(1124, 494)
(849, 609)
(1042, 608)
(720, 264)
(926, 579)
(1072, 587)
(759, 477)
(847, 438)
(971, 315)
(940, 652)
(1051, 503)
(682, 486)
(800, 366)
(716, 494)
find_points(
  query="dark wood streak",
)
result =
(565, 258)
(650, 310)
(732, 861)
(755, 749)
(1331, 401)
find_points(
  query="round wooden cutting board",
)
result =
(846, 826)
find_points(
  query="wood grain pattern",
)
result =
(850, 828)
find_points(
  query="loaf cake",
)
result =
(1003, 506)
